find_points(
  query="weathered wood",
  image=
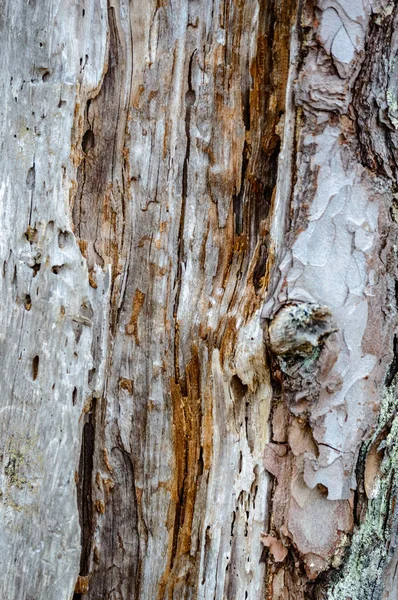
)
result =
(188, 392)
(50, 316)
(197, 299)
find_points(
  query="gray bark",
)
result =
(198, 307)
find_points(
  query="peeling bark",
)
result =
(338, 257)
(198, 299)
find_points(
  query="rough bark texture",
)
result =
(198, 299)
(331, 307)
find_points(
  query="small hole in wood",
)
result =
(36, 269)
(31, 234)
(87, 141)
(31, 178)
(65, 238)
(46, 76)
(74, 396)
(35, 367)
(27, 302)
(238, 387)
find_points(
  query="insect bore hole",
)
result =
(35, 367)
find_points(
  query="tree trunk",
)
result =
(198, 204)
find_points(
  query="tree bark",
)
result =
(198, 299)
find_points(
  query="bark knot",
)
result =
(300, 328)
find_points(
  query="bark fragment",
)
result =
(336, 257)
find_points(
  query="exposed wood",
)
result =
(50, 316)
(193, 420)
(198, 299)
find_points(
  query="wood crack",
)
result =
(190, 97)
(84, 492)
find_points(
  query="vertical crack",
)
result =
(102, 217)
(190, 98)
(238, 198)
(84, 492)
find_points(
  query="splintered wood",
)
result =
(196, 292)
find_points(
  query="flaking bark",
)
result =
(198, 299)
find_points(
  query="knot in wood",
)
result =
(299, 328)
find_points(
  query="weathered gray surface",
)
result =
(172, 174)
(49, 313)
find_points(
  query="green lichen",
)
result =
(13, 468)
(361, 577)
(21, 465)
